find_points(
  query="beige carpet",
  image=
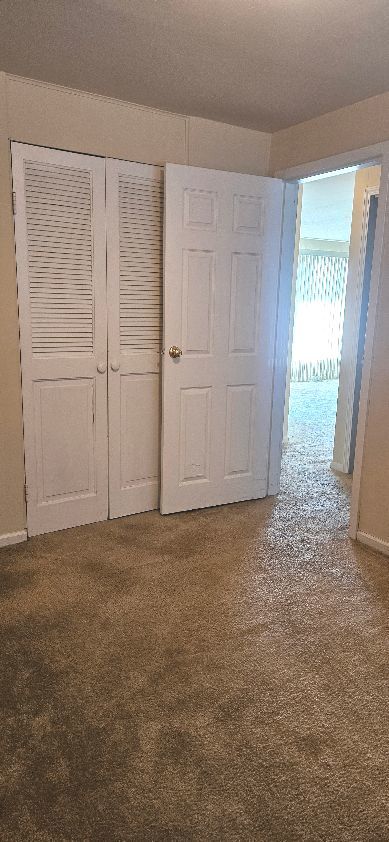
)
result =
(216, 675)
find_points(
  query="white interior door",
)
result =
(221, 285)
(134, 250)
(61, 275)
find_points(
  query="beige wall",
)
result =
(223, 147)
(359, 125)
(12, 511)
(48, 115)
(364, 124)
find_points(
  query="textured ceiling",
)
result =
(264, 64)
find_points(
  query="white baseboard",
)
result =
(374, 543)
(338, 466)
(13, 538)
(273, 489)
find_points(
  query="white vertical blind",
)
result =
(318, 319)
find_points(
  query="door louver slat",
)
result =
(140, 244)
(60, 258)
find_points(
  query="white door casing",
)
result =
(134, 287)
(221, 284)
(61, 276)
(366, 185)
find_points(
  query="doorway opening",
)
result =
(330, 296)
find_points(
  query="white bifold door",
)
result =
(134, 276)
(89, 268)
(221, 290)
(61, 272)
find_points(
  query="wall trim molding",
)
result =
(365, 156)
(41, 83)
(373, 542)
(13, 538)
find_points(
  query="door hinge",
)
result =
(13, 202)
(26, 492)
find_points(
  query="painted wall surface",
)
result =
(12, 507)
(224, 147)
(362, 124)
(48, 115)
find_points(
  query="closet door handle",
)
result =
(175, 352)
(102, 368)
(115, 365)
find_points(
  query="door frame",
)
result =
(292, 315)
(362, 157)
(352, 325)
(281, 350)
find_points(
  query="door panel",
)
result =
(222, 256)
(198, 301)
(195, 435)
(139, 431)
(60, 252)
(64, 432)
(239, 430)
(134, 283)
(245, 290)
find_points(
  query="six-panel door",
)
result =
(221, 276)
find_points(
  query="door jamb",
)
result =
(281, 347)
(366, 156)
(292, 315)
(354, 327)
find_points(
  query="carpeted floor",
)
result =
(216, 675)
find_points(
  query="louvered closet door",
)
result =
(61, 274)
(134, 281)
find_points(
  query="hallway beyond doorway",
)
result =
(312, 416)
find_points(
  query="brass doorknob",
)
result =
(175, 352)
